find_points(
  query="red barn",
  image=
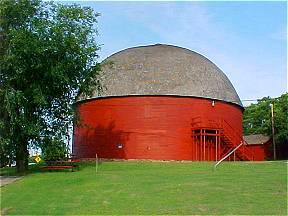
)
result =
(161, 102)
(259, 145)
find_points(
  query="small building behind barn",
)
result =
(259, 145)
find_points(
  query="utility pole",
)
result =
(273, 132)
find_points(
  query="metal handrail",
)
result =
(220, 161)
(232, 135)
(235, 135)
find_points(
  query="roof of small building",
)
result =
(164, 70)
(256, 139)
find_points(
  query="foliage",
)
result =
(54, 150)
(4, 155)
(6, 152)
(153, 188)
(48, 57)
(257, 119)
(31, 159)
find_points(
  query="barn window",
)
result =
(120, 146)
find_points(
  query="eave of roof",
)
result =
(256, 139)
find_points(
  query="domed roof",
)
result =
(165, 70)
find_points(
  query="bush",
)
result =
(54, 150)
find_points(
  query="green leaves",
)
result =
(257, 119)
(54, 150)
(48, 57)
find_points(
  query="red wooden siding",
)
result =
(150, 127)
(261, 151)
(258, 151)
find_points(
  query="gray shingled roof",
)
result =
(256, 139)
(165, 70)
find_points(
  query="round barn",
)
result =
(161, 102)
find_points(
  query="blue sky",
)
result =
(247, 40)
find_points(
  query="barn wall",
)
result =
(258, 151)
(261, 151)
(146, 127)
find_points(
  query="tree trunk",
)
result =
(22, 155)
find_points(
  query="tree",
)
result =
(257, 119)
(48, 57)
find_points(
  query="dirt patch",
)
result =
(5, 211)
(4, 180)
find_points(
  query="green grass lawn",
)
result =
(152, 188)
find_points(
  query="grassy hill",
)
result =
(152, 188)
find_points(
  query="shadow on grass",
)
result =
(37, 168)
(12, 171)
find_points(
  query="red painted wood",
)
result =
(258, 151)
(149, 127)
(261, 151)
